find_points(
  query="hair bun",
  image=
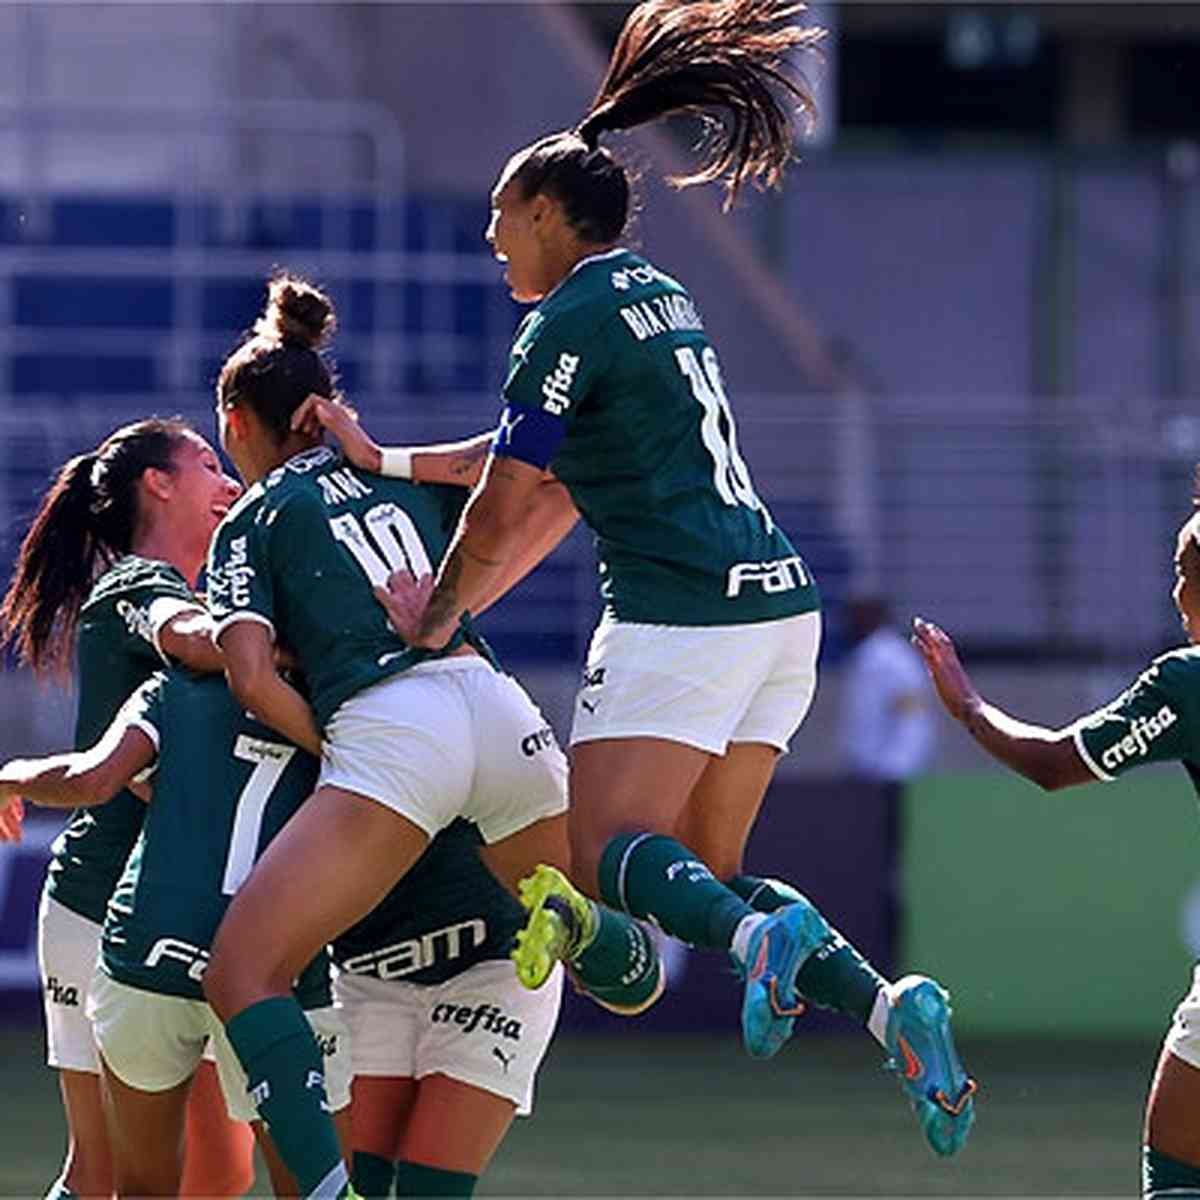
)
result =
(296, 312)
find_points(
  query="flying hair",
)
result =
(726, 61)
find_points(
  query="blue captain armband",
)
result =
(530, 435)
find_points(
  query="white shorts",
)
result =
(482, 1028)
(449, 738)
(154, 1042)
(705, 686)
(1183, 1038)
(68, 946)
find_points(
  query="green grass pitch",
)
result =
(674, 1116)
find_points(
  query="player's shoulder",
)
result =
(1178, 668)
(135, 576)
(597, 289)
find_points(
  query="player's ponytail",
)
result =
(726, 61)
(87, 519)
(281, 361)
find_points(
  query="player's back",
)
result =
(224, 785)
(303, 550)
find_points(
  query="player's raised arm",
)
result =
(457, 463)
(1047, 757)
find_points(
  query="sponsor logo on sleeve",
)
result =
(1136, 743)
(238, 573)
(556, 387)
(137, 620)
(66, 995)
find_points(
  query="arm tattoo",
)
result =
(467, 460)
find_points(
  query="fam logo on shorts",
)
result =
(485, 1017)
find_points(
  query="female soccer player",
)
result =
(106, 570)
(1156, 719)
(223, 786)
(411, 738)
(704, 663)
(446, 1043)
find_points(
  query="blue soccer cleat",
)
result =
(923, 1056)
(777, 949)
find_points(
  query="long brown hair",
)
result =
(87, 519)
(723, 60)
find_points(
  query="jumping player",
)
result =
(704, 662)
(410, 739)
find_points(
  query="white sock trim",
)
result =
(742, 934)
(877, 1022)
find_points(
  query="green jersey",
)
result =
(1157, 719)
(613, 385)
(116, 651)
(223, 787)
(447, 914)
(301, 552)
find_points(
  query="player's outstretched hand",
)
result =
(319, 412)
(954, 687)
(405, 600)
(12, 813)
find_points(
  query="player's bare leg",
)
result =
(1171, 1152)
(146, 1130)
(218, 1154)
(88, 1168)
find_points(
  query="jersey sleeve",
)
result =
(144, 711)
(1149, 722)
(146, 603)
(239, 571)
(553, 365)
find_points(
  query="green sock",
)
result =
(836, 976)
(1163, 1176)
(283, 1068)
(649, 875)
(413, 1179)
(60, 1191)
(371, 1175)
(619, 966)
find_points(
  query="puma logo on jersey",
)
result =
(556, 387)
(508, 424)
(505, 1059)
(1142, 731)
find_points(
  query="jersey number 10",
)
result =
(393, 545)
(731, 476)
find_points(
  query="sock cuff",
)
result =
(614, 867)
(416, 1179)
(1164, 1177)
(264, 1024)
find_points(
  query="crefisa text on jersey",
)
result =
(782, 575)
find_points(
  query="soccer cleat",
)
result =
(923, 1055)
(560, 921)
(777, 949)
